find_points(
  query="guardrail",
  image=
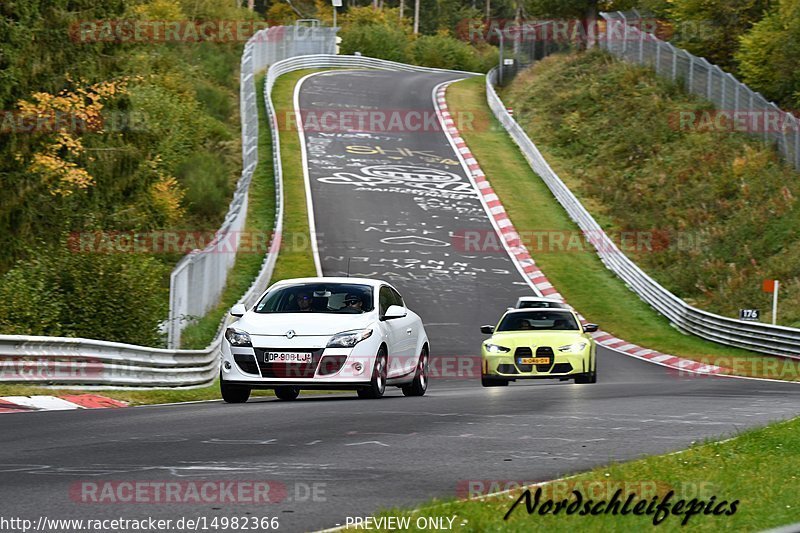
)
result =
(86, 362)
(757, 337)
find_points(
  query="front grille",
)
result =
(523, 351)
(545, 351)
(507, 369)
(331, 364)
(288, 370)
(246, 363)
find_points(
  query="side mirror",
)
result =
(238, 310)
(395, 311)
(590, 328)
(510, 308)
(487, 330)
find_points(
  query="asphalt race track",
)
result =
(339, 456)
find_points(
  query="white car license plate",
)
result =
(287, 357)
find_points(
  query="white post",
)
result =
(775, 302)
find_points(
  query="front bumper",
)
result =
(564, 365)
(328, 368)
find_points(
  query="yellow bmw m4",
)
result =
(538, 344)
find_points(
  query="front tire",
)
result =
(377, 385)
(233, 393)
(583, 379)
(420, 383)
(287, 393)
(589, 377)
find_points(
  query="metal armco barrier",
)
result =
(86, 362)
(763, 338)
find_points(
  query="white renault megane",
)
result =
(325, 333)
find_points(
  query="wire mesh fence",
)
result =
(738, 108)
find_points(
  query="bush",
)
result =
(376, 40)
(112, 296)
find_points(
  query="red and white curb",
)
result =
(23, 404)
(516, 247)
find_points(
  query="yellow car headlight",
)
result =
(496, 348)
(574, 347)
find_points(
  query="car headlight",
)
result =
(496, 348)
(348, 339)
(575, 347)
(237, 337)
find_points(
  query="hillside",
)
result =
(139, 137)
(713, 213)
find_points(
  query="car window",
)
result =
(398, 300)
(542, 305)
(538, 320)
(344, 298)
(386, 298)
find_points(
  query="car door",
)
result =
(408, 327)
(395, 333)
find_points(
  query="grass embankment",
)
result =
(577, 272)
(294, 259)
(258, 228)
(758, 469)
(719, 206)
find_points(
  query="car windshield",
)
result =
(542, 305)
(538, 320)
(342, 298)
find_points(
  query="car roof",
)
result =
(538, 299)
(355, 280)
(548, 309)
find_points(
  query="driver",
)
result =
(524, 325)
(353, 302)
(303, 302)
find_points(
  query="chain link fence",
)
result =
(197, 281)
(737, 105)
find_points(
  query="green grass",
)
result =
(579, 274)
(759, 468)
(295, 259)
(142, 397)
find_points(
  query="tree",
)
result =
(768, 54)
(712, 28)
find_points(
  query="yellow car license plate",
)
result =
(534, 361)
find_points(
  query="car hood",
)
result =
(311, 324)
(512, 339)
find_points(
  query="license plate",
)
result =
(533, 361)
(287, 357)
